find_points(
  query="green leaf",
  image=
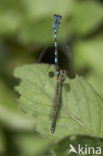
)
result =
(81, 106)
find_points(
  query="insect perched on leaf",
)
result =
(60, 70)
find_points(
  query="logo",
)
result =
(84, 149)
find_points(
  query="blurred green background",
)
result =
(28, 23)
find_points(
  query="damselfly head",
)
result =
(57, 19)
(57, 16)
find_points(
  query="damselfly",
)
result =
(59, 73)
(60, 66)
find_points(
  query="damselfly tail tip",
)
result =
(52, 130)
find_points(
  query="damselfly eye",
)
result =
(51, 74)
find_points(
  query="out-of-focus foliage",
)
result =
(27, 22)
(89, 56)
(62, 149)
